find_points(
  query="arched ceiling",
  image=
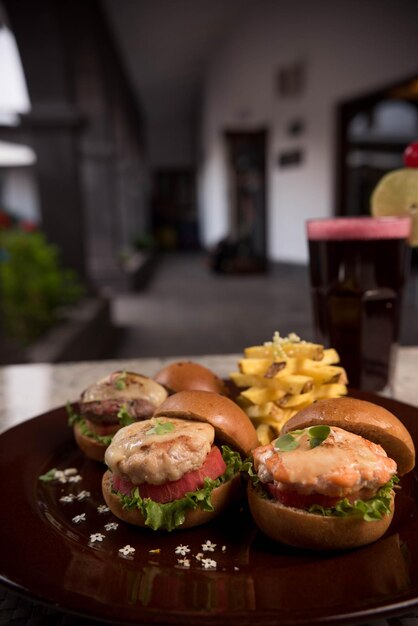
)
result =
(165, 46)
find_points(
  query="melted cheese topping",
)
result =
(144, 453)
(125, 386)
(342, 464)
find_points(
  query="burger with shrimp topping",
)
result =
(328, 481)
(182, 467)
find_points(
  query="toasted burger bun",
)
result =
(296, 527)
(362, 418)
(186, 375)
(221, 497)
(231, 424)
(92, 448)
(299, 528)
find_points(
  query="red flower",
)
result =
(5, 220)
(28, 226)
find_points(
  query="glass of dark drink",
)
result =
(358, 269)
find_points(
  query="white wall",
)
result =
(350, 47)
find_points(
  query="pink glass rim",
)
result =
(359, 228)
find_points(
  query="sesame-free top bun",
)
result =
(186, 375)
(363, 418)
(231, 424)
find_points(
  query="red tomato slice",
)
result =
(102, 429)
(299, 500)
(213, 467)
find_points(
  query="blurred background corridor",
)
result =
(159, 160)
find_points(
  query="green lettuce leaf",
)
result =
(171, 515)
(74, 418)
(370, 510)
(124, 417)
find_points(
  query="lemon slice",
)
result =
(397, 194)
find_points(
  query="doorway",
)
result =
(174, 210)
(244, 250)
(373, 131)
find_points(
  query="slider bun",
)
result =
(300, 529)
(362, 418)
(221, 497)
(186, 375)
(92, 449)
(232, 426)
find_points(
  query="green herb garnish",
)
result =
(286, 443)
(160, 428)
(49, 476)
(318, 434)
(120, 382)
(124, 417)
(290, 441)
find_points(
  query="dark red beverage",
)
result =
(358, 268)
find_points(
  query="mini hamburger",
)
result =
(114, 401)
(187, 375)
(328, 481)
(182, 467)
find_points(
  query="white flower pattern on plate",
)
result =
(127, 550)
(208, 546)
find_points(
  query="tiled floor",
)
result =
(187, 310)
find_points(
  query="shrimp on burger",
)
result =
(328, 481)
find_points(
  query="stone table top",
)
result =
(30, 390)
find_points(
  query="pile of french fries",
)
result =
(283, 376)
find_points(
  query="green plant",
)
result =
(144, 241)
(33, 285)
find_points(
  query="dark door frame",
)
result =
(234, 133)
(345, 111)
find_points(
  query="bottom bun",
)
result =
(92, 449)
(300, 529)
(221, 497)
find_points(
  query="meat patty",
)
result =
(343, 464)
(159, 450)
(106, 411)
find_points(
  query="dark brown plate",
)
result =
(48, 557)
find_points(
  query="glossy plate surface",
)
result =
(45, 554)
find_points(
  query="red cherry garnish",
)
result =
(410, 156)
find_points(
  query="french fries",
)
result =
(283, 376)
